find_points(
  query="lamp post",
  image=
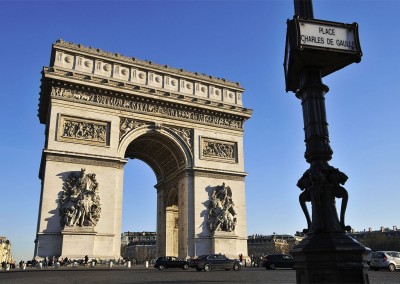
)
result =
(326, 254)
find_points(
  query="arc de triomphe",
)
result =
(102, 109)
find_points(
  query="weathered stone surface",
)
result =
(101, 109)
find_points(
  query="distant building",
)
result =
(5, 250)
(260, 245)
(382, 239)
(139, 246)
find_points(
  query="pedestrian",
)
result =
(86, 260)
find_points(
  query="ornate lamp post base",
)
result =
(330, 258)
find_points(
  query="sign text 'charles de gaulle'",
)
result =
(326, 45)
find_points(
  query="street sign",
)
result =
(326, 45)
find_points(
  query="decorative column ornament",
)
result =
(221, 212)
(80, 201)
(321, 183)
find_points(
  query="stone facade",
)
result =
(261, 245)
(139, 246)
(101, 109)
(5, 251)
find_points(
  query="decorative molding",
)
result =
(138, 105)
(218, 150)
(126, 125)
(83, 130)
(222, 176)
(93, 161)
(136, 61)
(185, 133)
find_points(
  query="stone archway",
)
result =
(101, 109)
(164, 150)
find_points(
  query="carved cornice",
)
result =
(236, 176)
(143, 63)
(76, 158)
(57, 76)
(145, 106)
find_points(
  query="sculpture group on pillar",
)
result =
(221, 212)
(80, 202)
(321, 184)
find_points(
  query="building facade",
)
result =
(381, 239)
(139, 246)
(260, 245)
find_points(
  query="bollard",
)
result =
(93, 264)
(128, 264)
(40, 265)
(23, 266)
(7, 267)
(74, 264)
(147, 264)
(110, 265)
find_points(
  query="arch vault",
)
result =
(101, 109)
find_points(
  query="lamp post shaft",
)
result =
(318, 256)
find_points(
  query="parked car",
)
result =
(171, 262)
(385, 259)
(215, 261)
(272, 261)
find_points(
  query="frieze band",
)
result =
(81, 130)
(145, 107)
(225, 151)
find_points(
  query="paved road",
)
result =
(142, 275)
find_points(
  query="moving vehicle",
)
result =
(171, 262)
(215, 261)
(385, 259)
(272, 261)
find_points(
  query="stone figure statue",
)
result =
(80, 202)
(221, 212)
(321, 186)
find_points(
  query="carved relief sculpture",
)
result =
(83, 130)
(219, 150)
(139, 106)
(126, 125)
(184, 133)
(221, 212)
(80, 202)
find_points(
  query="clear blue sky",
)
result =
(238, 40)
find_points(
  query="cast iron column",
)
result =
(326, 254)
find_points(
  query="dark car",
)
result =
(215, 261)
(171, 262)
(272, 261)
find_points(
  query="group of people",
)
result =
(7, 265)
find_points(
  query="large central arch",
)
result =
(102, 109)
(169, 157)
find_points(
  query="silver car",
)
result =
(385, 259)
